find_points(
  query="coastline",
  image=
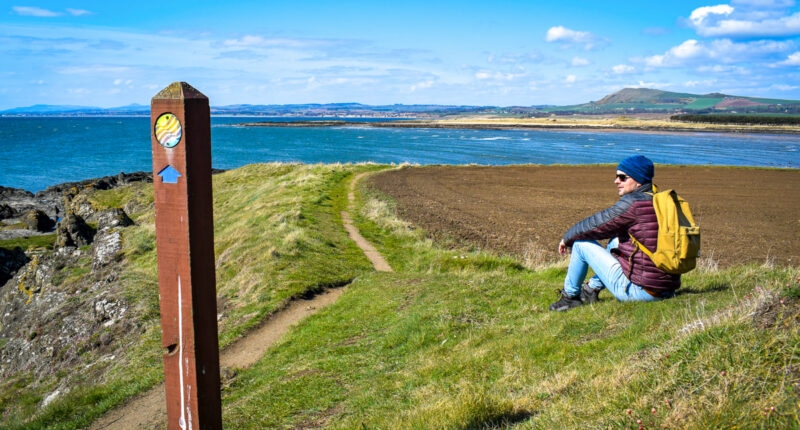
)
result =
(555, 124)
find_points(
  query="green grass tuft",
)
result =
(45, 241)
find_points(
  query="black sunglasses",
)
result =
(622, 177)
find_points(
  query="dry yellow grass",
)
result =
(616, 123)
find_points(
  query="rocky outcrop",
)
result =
(73, 231)
(108, 240)
(37, 220)
(16, 202)
(104, 183)
(106, 247)
(59, 310)
(62, 197)
(8, 193)
(112, 218)
(48, 326)
(57, 199)
(7, 211)
(79, 204)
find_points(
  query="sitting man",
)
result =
(627, 273)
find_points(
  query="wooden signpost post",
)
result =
(181, 143)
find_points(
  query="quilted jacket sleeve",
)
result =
(605, 224)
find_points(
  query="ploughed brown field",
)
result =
(746, 215)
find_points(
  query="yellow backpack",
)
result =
(678, 236)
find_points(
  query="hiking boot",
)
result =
(566, 302)
(589, 294)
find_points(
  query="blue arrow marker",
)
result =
(169, 175)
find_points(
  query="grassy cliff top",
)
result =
(455, 338)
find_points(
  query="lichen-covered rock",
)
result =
(73, 231)
(79, 204)
(108, 240)
(106, 247)
(36, 275)
(107, 310)
(112, 218)
(37, 220)
(50, 325)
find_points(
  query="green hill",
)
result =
(653, 100)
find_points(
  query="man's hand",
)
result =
(562, 247)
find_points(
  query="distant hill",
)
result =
(653, 100)
(46, 109)
(628, 100)
(294, 110)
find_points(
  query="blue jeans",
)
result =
(608, 273)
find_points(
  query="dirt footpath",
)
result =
(746, 215)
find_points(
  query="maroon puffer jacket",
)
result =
(633, 214)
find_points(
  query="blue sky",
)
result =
(108, 53)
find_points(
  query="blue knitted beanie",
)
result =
(639, 168)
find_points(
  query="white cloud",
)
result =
(78, 12)
(687, 49)
(34, 11)
(564, 35)
(703, 15)
(643, 84)
(722, 68)
(722, 50)
(532, 57)
(497, 76)
(93, 70)
(570, 79)
(676, 55)
(733, 51)
(579, 62)
(46, 13)
(705, 83)
(754, 19)
(278, 42)
(422, 85)
(783, 87)
(245, 41)
(623, 69)
(792, 60)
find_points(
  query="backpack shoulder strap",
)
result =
(633, 239)
(640, 246)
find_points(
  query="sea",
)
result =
(39, 152)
